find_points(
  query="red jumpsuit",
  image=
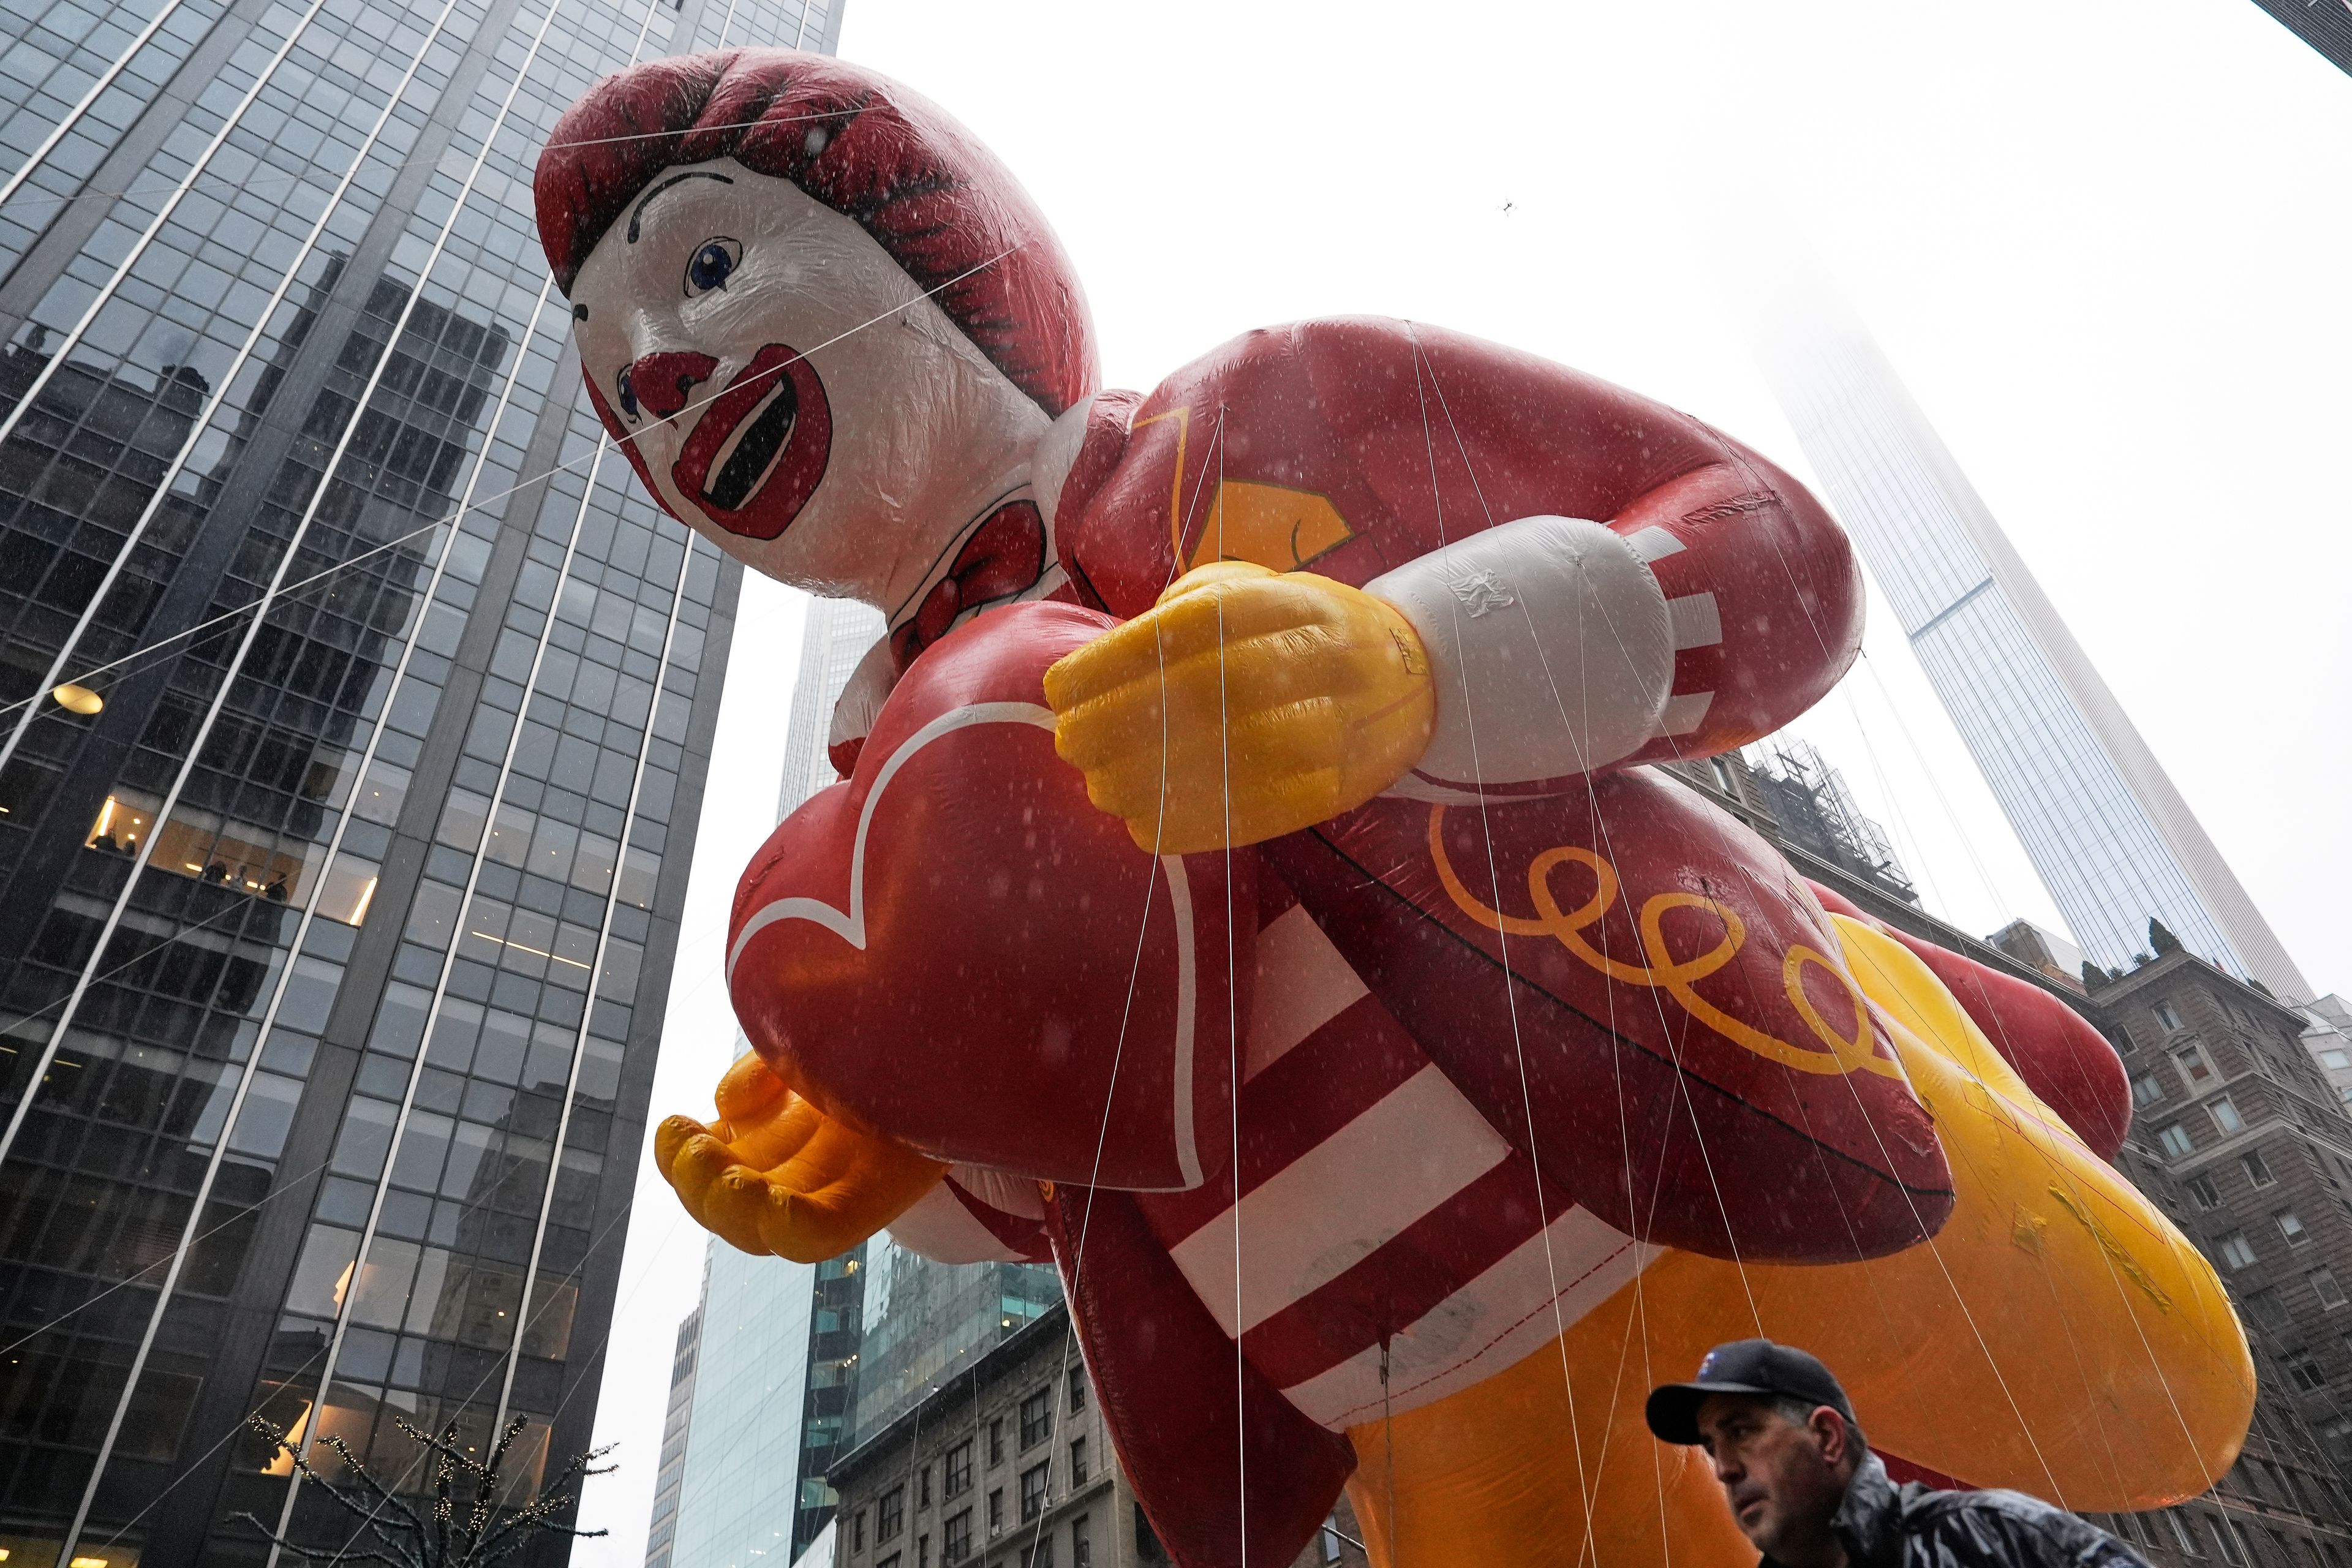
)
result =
(1472, 1052)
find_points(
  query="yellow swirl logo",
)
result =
(1678, 978)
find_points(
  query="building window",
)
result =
(1077, 1389)
(1037, 1419)
(958, 1469)
(958, 1540)
(2175, 1141)
(2258, 1169)
(2193, 1065)
(1040, 1555)
(1082, 1543)
(1032, 1491)
(2166, 1018)
(996, 1442)
(2335, 1061)
(2207, 1194)
(2146, 1088)
(858, 1532)
(923, 1487)
(2226, 1539)
(2226, 1117)
(995, 1509)
(2323, 1285)
(922, 1551)
(2267, 1307)
(2290, 1226)
(2237, 1251)
(1077, 1461)
(2307, 1373)
(890, 1515)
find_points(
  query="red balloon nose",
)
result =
(662, 383)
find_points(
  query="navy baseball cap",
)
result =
(1755, 1367)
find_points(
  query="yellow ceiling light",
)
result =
(79, 700)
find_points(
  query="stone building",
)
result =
(2328, 1036)
(2239, 1133)
(1007, 1464)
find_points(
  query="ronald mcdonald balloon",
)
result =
(1246, 885)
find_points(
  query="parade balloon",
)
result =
(1248, 884)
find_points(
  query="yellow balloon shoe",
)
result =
(2058, 1336)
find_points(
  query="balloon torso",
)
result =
(1478, 1054)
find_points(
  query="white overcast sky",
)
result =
(2104, 244)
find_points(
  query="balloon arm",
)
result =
(1355, 448)
(1552, 649)
(775, 1174)
(1766, 597)
(955, 949)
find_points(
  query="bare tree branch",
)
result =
(488, 1533)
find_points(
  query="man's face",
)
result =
(1782, 1483)
(783, 384)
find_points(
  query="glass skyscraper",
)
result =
(2114, 842)
(355, 710)
(926, 1321)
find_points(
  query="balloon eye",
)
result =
(712, 263)
(628, 389)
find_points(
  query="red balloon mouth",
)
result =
(755, 455)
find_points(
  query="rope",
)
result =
(1134, 974)
(1233, 1035)
(1510, 997)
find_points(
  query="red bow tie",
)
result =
(1004, 554)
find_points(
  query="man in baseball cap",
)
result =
(1805, 1489)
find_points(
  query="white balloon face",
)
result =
(787, 389)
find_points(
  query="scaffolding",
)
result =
(1817, 812)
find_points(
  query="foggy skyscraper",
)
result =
(2114, 842)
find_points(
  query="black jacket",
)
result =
(1913, 1526)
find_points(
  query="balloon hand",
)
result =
(1244, 705)
(775, 1175)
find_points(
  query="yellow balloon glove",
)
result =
(1244, 705)
(775, 1175)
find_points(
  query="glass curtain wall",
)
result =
(348, 694)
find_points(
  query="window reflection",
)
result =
(211, 848)
(121, 823)
(350, 889)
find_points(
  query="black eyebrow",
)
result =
(638, 211)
